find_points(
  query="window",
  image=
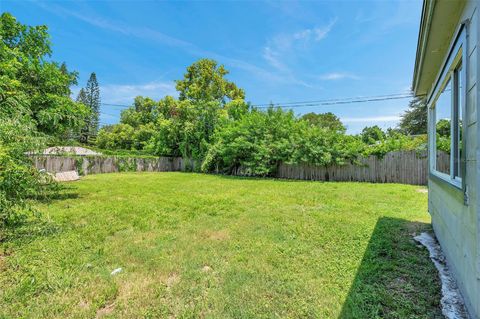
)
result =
(458, 118)
(443, 118)
(446, 110)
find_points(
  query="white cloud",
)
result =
(273, 58)
(388, 118)
(283, 44)
(125, 93)
(338, 76)
(314, 34)
(321, 33)
(159, 37)
(127, 30)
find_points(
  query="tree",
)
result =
(92, 101)
(372, 134)
(82, 97)
(185, 128)
(443, 127)
(236, 109)
(257, 142)
(414, 120)
(35, 106)
(205, 81)
(325, 120)
(141, 113)
(45, 84)
(323, 146)
(84, 131)
(118, 136)
(73, 75)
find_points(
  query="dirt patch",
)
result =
(105, 310)
(206, 268)
(218, 235)
(172, 280)
(3, 259)
(422, 190)
(83, 304)
(136, 284)
(3, 265)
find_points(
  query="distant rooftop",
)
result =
(75, 150)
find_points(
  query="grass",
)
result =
(200, 246)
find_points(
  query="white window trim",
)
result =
(457, 54)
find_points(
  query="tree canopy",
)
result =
(35, 106)
(325, 120)
(44, 85)
(90, 97)
(205, 81)
(210, 122)
(372, 135)
(414, 120)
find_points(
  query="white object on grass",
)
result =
(452, 302)
(66, 176)
(116, 271)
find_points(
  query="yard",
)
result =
(192, 245)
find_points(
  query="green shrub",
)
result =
(257, 142)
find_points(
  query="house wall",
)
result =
(457, 225)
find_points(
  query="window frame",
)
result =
(457, 56)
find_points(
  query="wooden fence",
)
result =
(406, 167)
(86, 165)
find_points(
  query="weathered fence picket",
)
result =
(407, 167)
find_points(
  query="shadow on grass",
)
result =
(29, 230)
(62, 192)
(396, 278)
(263, 178)
(33, 224)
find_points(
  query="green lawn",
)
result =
(203, 246)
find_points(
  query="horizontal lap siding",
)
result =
(456, 224)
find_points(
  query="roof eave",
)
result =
(425, 23)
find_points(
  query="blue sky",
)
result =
(277, 51)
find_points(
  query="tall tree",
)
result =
(205, 82)
(35, 105)
(83, 134)
(82, 97)
(414, 120)
(44, 84)
(91, 99)
(325, 120)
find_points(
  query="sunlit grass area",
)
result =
(203, 246)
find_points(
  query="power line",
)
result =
(339, 99)
(117, 105)
(109, 114)
(323, 102)
(339, 102)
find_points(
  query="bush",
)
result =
(398, 142)
(325, 147)
(118, 136)
(20, 181)
(257, 142)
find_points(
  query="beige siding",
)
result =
(457, 225)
